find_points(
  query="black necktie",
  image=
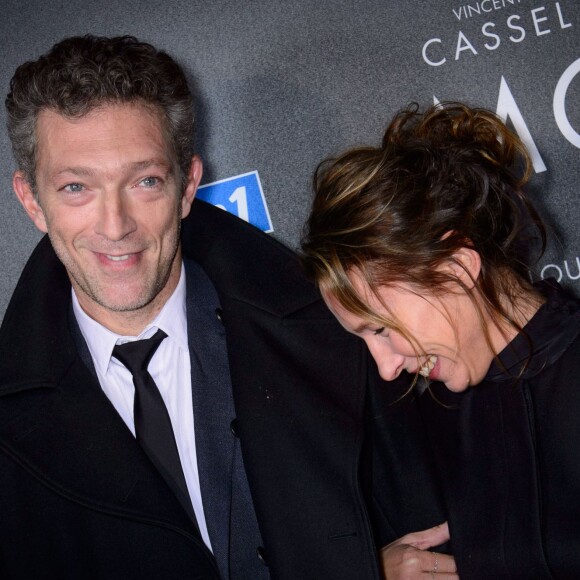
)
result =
(152, 423)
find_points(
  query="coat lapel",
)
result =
(213, 409)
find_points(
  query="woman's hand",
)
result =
(408, 557)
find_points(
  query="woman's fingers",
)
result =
(409, 558)
(428, 538)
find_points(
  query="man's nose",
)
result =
(114, 220)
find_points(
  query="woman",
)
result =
(420, 247)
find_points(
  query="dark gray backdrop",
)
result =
(282, 84)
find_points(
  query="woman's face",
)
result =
(448, 331)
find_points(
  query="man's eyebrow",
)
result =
(79, 171)
(139, 165)
(82, 171)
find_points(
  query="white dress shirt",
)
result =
(170, 368)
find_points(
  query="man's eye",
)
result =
(149, 181)
(73, 187)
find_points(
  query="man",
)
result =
(234, 447)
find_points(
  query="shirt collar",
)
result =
(172, 319)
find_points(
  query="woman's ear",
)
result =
(465, 265)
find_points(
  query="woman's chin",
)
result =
(454, 387)
(454, 383)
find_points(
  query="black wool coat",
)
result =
(509, 454)
(78, 497)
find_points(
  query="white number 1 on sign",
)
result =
(240, 198)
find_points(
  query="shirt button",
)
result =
(234, 428)
(219, 314)
(261, 555)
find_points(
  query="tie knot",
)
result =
(137, 354)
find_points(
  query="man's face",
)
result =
(109, 197)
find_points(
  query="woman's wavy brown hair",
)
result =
(448, 178)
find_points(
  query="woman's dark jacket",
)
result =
(509, 455)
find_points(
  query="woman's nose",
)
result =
(389, 362)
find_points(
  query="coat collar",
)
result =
(236, 255)
(543, 340)
(35, 327)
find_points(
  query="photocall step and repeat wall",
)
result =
(283, 84)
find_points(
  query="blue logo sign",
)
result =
(241, 195)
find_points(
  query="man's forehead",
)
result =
(136, 131)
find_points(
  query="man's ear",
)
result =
(465, 265)
(193, 179)
(28, 200)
